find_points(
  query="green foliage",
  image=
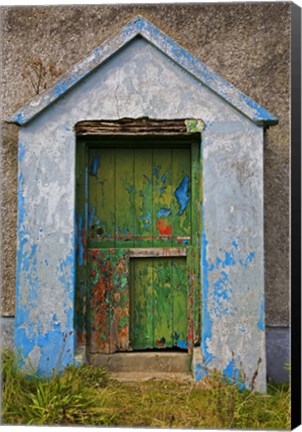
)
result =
(87, 396)
(68, 399)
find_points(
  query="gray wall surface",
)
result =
(248, 44)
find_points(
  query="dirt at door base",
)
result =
(179, 377)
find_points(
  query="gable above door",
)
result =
(140, 27)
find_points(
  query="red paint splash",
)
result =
(163, 228)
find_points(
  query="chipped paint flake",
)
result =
(182, 195)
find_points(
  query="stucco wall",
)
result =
(141, 81)
(248, 44)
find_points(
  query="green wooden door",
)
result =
(142, 245)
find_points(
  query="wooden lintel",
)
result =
(157, 252)
(127, 126)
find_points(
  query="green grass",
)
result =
(87, 396)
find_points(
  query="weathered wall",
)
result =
(248, 44)
(141, 81)
(238, 41)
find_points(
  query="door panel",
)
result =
(158, 292)
(108, 300)
(139, 199)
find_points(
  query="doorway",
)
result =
(138, 201)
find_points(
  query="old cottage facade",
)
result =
(140, 212)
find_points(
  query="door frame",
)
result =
(86, 133)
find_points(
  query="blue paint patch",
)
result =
(218, 262)
(248, 259)
(57, 350)
(228, 260)
(95, 165)
(156, 170)
(261, 324)
(235, 244)
(163, 212)
(163, 179)
(182, 195)
(221, 287)
(21, 151)
(147, 219)
(211, 267)
(232, 375)
(185, 242)
(46, 262)
(182, 344)
(127, 231)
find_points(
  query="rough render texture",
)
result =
(144, 82)
(248, 44)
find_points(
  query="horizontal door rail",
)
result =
(157, 252)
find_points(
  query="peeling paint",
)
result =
(182, 195)
(164, 212)
(232, 242)
(95, 166)
(261, 324)
(233, 375)
(164, 228)
(206, 317)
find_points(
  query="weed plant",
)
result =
(88, 396)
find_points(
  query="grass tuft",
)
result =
(86, 395)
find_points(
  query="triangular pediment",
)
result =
(139, 26)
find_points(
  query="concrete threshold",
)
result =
(164, 365)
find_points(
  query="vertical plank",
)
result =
(195, 197)
(124, 197)
(119, 300)
(105, 230)
(194, 254)
(143, 197)
(102, 197)
(163, 303)
(142, 334)
(180, 316)
(181, 201)
(194, 297)
(93, 166)
(99, 287)
(162, 197)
